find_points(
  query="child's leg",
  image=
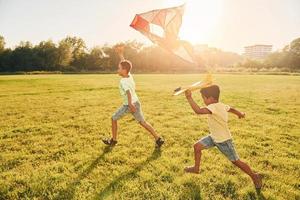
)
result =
(113, 140)
(149, 128)
(257, 180)
(116, 116)
(138, 115)
(203, 143)
(114, 128)
(198, 147)
(227, 148)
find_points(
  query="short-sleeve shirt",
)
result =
(128, 84)
(218, 122)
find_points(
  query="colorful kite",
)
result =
(162, 28)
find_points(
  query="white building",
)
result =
(259, 51)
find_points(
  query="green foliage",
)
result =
(51, 126)
(65, 55)
(71, 55)
(75, 46)
(2, 44)
(288, 59)
(94, 60)
(214, 58)
(47, 56)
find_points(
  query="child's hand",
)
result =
(241, 115)
(132, 108)
(188, 94)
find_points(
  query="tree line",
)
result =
(287, 59)
(72, 55)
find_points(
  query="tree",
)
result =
(5, 60)
(277, 59)
(47, 56)
(2, 44)
(111, 59)
(71, 54)
(287, 58)
(22, 57)
(65, 56)
(251, 64)
(95, 59)
(76, 46)
(213, 57)
(295, 47)
(295, 54)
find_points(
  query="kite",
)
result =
(162, 27)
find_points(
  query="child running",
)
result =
(220, 135)
(131, 102)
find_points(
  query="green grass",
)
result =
(51, 126)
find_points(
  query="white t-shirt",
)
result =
(128, 84)
(217, 122)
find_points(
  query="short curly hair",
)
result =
(211, 91)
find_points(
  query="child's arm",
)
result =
(237, 113)
(194, 105)
(131, 106)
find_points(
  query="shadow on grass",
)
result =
(69, 192)
(260, 195)
(191, 191)
(108, 189)
(252, 195)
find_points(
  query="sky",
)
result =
(226, 24)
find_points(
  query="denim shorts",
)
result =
(138, 114)
(226, 147)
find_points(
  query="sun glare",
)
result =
(200, 19)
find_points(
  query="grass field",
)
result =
(51, 126)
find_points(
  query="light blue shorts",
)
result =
(138, 115)
(226, 147)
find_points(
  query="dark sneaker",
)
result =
(159, 142)
(109, 142)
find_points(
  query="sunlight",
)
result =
(200, 19)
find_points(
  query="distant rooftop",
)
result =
(259, 45)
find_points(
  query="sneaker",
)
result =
(159, 142)
(109, 142)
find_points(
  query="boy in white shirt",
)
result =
(131, 103)
(220, 135)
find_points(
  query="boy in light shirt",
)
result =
(220, 135)
(131, 103)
